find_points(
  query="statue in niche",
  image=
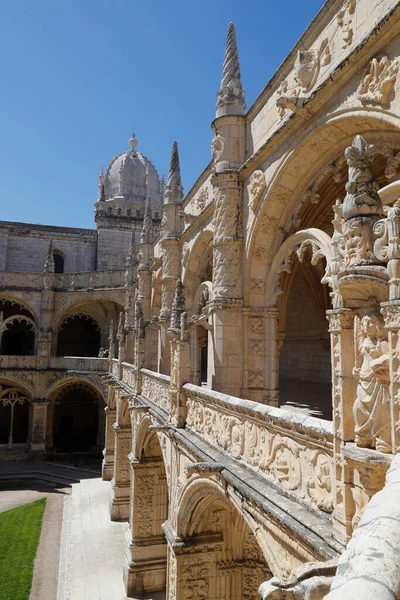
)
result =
(372, 405)
(362, 198)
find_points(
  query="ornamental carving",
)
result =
(217, 147)
(256, 324)
(372, 404)
(256, 188)
(302, 468)
(308, 64)
(378, 83)
(345, 22)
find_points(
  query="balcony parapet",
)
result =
(63, 363)
(291, 450)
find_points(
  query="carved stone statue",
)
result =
(372, 405)
(362, 196)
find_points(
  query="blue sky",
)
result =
(79, 76)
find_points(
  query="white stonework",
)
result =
(252, 383)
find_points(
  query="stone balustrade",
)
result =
(155, 387)
(294, 451)
(64, 281)
(91, 279)
(68, 363)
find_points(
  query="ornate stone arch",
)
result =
(317, 240)
(290, 181)
(197, 256)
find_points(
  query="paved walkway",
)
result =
(92, 547)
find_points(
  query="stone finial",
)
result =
(131, 256)
(362, 198)
(230, 97)
(178, 305)
(139, 319)
(133, 142)
(121, 321)
(111, 333)
(49, 266)
(102, 192)
(174, 189)
(145, 236)
(162, 189)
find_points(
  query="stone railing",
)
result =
(129, 374)
(155, 387)
(115, 370)
(18, 362)
(90, 280)
(292, 450)
(11, 279)
(67, 363)
(76, 363)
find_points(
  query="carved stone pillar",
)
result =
(227, 300)
(146, 564)
(37, 447)
(170, 275)
(180, 374)
(107, 469)
(119, 506)
(391, 313)
(341, 323)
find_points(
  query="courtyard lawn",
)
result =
(19, 537)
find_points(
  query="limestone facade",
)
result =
(252, 386)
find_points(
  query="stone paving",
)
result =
(93, 547)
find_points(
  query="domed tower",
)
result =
(130, 179)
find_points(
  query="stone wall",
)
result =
(23, 247)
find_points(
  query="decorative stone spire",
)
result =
(102, 193)
(162, 189)
(49, 266)
(145, 236)
(178, 305)
(174, 189)
(362, 198)
(230, 98)
(131, 256)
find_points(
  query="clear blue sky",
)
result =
(79, 75)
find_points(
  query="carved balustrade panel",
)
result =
(281, 446)
(155, 387)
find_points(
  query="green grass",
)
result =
(19, 537)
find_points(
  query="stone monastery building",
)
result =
(249, 409)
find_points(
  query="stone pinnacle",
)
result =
(145, 236)
(49, 266)
(230, 98)
(174, 189)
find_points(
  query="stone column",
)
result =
(145, 571)
(227, 300)
(344, 384)
(391, 313)
(119, 506)
(107, 469)
(37, 447)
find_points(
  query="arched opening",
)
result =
(18, 329)
(14, 416)
(79, 335)
(224, 559)
(58, 262)
(146, 572)
(76, 419)
(305, 381)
